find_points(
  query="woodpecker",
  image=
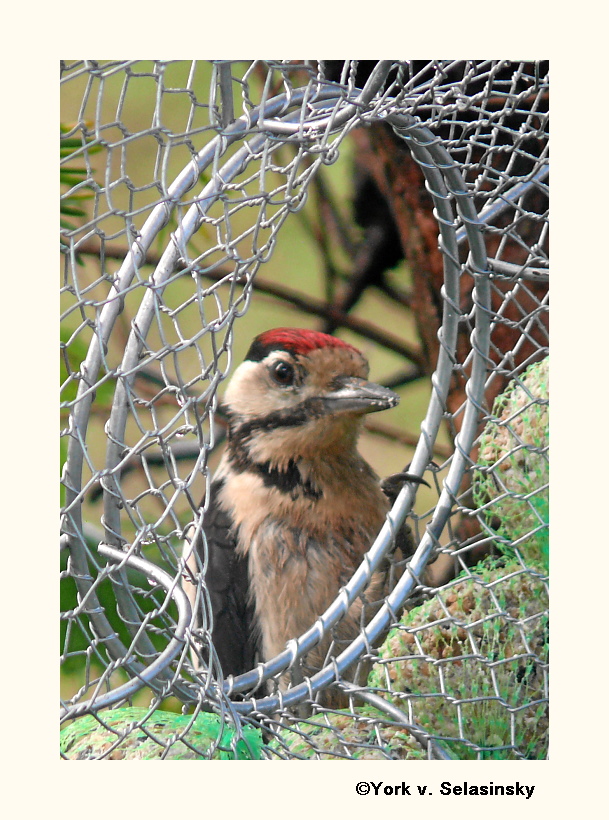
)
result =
(293, 506)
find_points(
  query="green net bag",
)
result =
(511, 482)
(470, 664)
(132, 733)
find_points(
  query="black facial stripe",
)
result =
(288, 480)
(288, 417)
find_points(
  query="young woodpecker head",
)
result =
(299, 394)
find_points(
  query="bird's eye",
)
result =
(282, 373)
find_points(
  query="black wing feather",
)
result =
(234, 630)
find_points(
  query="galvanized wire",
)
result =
(454, 118)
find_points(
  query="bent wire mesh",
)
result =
(403, 206)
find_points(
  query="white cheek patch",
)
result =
(248, 393)
(251, 393)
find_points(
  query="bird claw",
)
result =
(392, 485)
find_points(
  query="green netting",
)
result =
(133, 734)
(512, 487)
(469, 665)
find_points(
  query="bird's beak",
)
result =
(352, 395)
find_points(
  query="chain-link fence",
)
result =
(414, 199)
